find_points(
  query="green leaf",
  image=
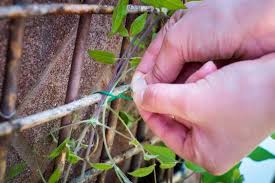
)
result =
(164, 155)
(102, 56)
(135, 61)
(273, 136)
(148, 157)
(194, 167)
(55, 176)
(119, 15)
(101, 166)
(58, 149)
(260, 154)
(167, 165)
(142, 172)
(127, 118)
(232, 176)
(169, 4)
(123, 31)
(16, 170)
(73, 158)
(138, 24)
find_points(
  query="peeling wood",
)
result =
(17, 11)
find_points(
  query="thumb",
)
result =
(172, 99)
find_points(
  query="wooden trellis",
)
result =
(9, 123)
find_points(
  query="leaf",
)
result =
(119, 14)
(58, 149)
(167, 165)
(102, 56)
(123, 31)
(232, 176)
(148, 157)
(16, 170)
(260, 154)
(55, 176)
(164, 155)
(194, 167)
(142, 172)
(101, 166)
(73, 158)
(138, 24)
(127, 118)
(169, 4)
(273, 136)
(135, 61)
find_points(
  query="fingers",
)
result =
(205, 70)
(149, 58)
(172, 133)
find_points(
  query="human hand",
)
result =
(218, 118)
(220, 115)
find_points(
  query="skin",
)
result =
(208, 114)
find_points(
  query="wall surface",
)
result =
(43, 75)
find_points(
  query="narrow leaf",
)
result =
(102, 56)
(167, 165)
(123, 31)
(102, 166)
(119, 14)
(55, 176)
(194, 167)
(273, 136)
(260, 154)
(169, 4)
(142, 172)
(73, 158)
(58, 149)
(127, 118)
(16, 170)
(164, 155)
(138, 24)
(135, 61)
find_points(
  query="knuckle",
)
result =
(158, 74)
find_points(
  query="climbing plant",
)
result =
(141, 31)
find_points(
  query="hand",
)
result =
(220, 115)
(218, 119)
(210, 30)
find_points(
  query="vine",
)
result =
(141, 28)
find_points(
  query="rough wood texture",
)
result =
(43, 73)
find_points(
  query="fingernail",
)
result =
(138, 86)
(209, 66)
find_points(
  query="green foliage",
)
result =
(142, 172)
(169, 4)
(127, 118)
(232, 176)
(164, 155)
(194, 167)
(119, 15)
(273, 136)
(260, 154)
(102, 56)
(123, 31)
(73, 158)
(15, 170)
(138, 24)
(59, 149)
(135, 61)
(101, 166)
(55, 176)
